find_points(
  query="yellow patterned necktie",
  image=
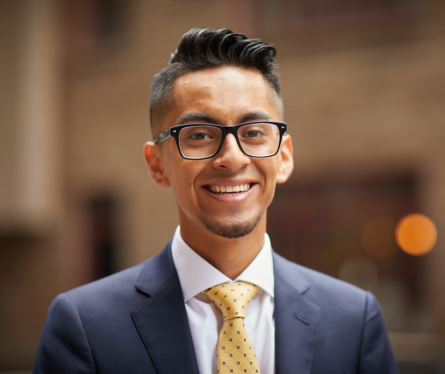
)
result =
(235, 352)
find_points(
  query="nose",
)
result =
(230, 156)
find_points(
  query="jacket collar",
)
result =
(162, 319)
(297, 319)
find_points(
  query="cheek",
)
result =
(271, 173)
(271, 169)
(182, 176)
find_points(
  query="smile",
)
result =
(229, 189)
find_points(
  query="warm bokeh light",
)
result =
(416, 234)
(378, 238)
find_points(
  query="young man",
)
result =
(217, 299)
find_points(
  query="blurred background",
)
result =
(364, 94)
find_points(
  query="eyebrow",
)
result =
(196, 117)
(201, 117)
(253, 116)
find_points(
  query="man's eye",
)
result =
(200, 136)
(253, 134)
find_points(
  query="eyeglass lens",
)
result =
(259, 139)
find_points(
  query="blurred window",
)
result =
(103, 227)
(95, 24)
(293, 20)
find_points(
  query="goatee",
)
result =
(230, 230)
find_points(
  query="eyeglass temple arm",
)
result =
(162, 136)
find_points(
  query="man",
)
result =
(217, 299)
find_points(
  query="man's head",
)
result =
(203, 48)
(226, 193)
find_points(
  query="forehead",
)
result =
(226, 93)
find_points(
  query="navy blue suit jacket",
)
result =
(135, 322)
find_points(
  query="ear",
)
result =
(287, 161)
(153, 158)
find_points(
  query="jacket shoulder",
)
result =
(119, 283)
(320, 288)
(126, 287)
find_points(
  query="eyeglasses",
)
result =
(198, 141)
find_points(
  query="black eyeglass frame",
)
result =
(225, 130)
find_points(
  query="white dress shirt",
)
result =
(205, 320)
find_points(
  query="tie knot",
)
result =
(232, 299)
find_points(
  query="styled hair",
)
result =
(202, 48)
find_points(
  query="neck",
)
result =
(230, 256)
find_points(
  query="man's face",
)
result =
(226, 96)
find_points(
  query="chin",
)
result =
(231, 229)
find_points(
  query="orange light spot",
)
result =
(378, 238)
(416, 234)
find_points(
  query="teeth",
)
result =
(230, 189)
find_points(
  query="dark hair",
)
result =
(202, 48)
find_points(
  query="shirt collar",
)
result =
(196, 274)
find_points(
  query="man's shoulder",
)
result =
(322, 289)
(117, 283)
(98, 298)
(126, 287)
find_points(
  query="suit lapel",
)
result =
(297, 320)
(162, 319)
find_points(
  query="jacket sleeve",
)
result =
(375, 350)
(63, 346)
